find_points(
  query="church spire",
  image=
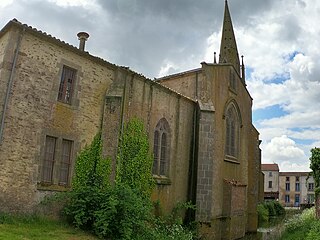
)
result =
(228, 46)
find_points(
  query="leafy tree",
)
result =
(134, 167)
(315, 167)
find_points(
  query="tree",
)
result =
(315, 167)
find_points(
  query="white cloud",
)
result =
(295, 119)
(167, 68)
(5, 3)
(281, 149)
(74, 3)
(287, 166)
(304, 68)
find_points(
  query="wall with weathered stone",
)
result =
(7, 42)
(34, 112)
(254, 171)
(217, 78)
(150, 101)
(212, 83)
(185, 83)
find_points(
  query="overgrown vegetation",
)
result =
(269, 209)
(302, 226)
(315, 167)
(123, 210)
(134, 166)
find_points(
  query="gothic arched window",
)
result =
(161, 148)
(232, 132)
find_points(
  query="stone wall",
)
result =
(8, 41)
(254, 170)
(205, 168)
(212, 83)
(34, 112)
(150, 101)
(185, 83)
(104, 96)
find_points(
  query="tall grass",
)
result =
(302, 226)
(29, 227)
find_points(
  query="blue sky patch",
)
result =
(268, 113)
(280, 79)
(291, 56)
(302, 141)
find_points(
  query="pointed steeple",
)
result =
(228, 46)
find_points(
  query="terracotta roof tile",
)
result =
(270, 167)
(15, 22)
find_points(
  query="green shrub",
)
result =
(314, 233)
(304, 220)
(124, 214)
(122, 210)
(279, 208)
(263, 213)
(82, 205)
(269, 209)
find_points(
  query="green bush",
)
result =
(263, 213)
(304, 220)
(123, 210)
(302, 226)
(124, 214)
(279, 209)
(269, 209)
(82, 205)
(314, 233)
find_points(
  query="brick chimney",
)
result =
(82, 36)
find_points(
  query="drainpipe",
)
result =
(6, 100)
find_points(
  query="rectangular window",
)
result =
(297, 187)
(67, 82)
(65, 162)
(48, 163)
(287, 187)
(56, 163)
(270, 174)
(297, 179)
(311, 187)
(287, 179)
(310, 198)
(270, 184)
(287, 198)
(297, 200)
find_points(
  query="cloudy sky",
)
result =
(280, 40)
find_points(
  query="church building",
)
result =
(55, 97)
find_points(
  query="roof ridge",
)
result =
(84, 53)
